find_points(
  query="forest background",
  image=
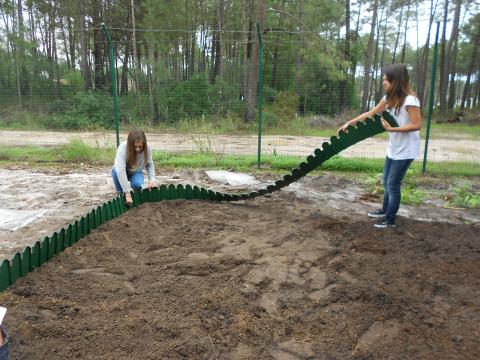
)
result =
(188, 62)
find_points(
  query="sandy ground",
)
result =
(297, 275)
(452, 149)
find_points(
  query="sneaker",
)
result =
(376, 214)
(383, 224)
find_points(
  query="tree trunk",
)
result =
(71, 42)
(443, 85)
(126, 55)
(34, 52)
(253, 74)
(149, 50)
(473, 60)
(202, 68)
(53, 16)
(353, 69)
(373, 82)
(368, 59)
(135, 52)
(299, 56)
(17, 60)
(379, 91)
(98, 71)
(346, 54)
(453, 68)
(193, 43)
(83, 49)
(407, 15)
(216, 55)
(422, 78)
(382, 56)
(275, 51)
(136, 60)
(220, 47)
(397, 37)
(477, 91)
(213, 57)
(22, 82)
(65, 43)
(452, 55)
(202, 61)
(246, 41)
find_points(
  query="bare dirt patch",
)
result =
(281, 277)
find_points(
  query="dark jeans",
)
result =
(393, 174)
(4, 347)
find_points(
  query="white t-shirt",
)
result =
(404, 145)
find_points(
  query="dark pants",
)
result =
(393, 174)
(4, 347)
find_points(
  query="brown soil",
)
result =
(275, 278)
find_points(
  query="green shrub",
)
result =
(269, 94)
(73, 81)
(465, 197)
(412, 195)
(92, 108)
(196, 98)
(89, 110)
(270, 119)
(286, 104)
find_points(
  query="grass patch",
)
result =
(448, 130)
(412, 195)
(26, 153)
(268, 162)
(239, 163)
(77, 151)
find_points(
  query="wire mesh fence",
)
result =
(196, 91)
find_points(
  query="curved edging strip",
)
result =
(42, 251)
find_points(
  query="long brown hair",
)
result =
(397, 76)
(135, 135)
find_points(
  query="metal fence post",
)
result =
(431, 99)
(116, 113)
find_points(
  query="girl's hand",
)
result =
(386, 125)
(151, 184)
(128, 199)
(343, 127)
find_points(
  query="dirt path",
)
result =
(283, 277)
(457, 150)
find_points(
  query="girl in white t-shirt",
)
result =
(404, 141)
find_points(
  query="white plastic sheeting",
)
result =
(15, 219)
(231, 178)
